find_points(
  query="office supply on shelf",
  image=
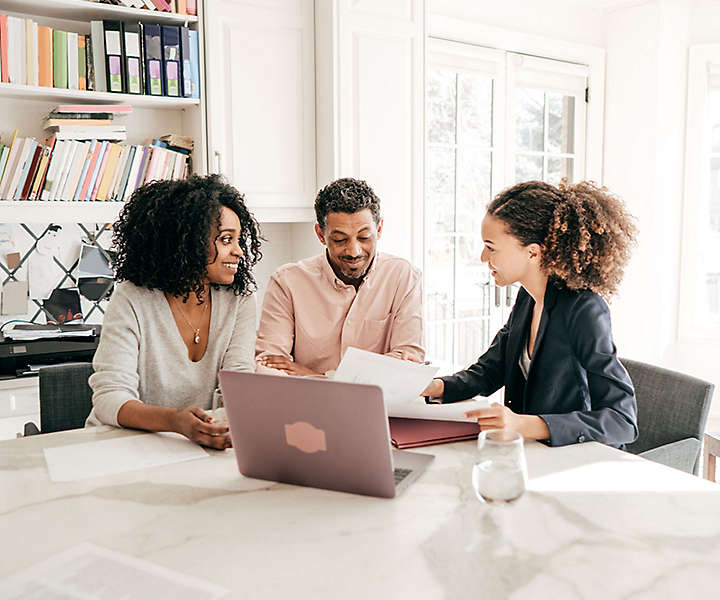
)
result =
(82, 63)
(315, 432)
(72, 59)
(153, 60)
(194, 62)
(133, 61)
(186, 56)
(114, 69)
(413, 433)
(108, 457)
(400, 380)
(171, 59)
(45, 56)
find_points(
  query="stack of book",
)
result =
(181, 7)
(81, 162)
(123, 57)
(87, 122)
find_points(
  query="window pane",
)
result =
(472, 288)
(441, 106)
(714, 116)
(528, 168)
(561, 123)
(472, 340)
(475, 109)
(559, 168)
(530, 122)
(439, 297)
(474, 171)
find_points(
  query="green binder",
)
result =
(60, 56)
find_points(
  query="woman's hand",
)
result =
(435, 389)
(196, 425)
(281, 363)
(531, 427)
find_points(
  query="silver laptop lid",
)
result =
(311, 432)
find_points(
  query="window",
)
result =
(700, 269)
(492, 118)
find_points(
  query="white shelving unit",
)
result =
(23, 107)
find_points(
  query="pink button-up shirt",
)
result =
(312, 316)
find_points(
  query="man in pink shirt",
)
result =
(350, 295)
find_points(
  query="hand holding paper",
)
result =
(400, 380)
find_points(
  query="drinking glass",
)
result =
(500, 475)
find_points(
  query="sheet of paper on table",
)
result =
(107, 457)
(417, 408)
(400, 380)
(89, 571)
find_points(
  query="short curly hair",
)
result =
(347, 196)
(163, 233)
(584, 231)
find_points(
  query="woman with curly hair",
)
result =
(182, 311)
(567, 246)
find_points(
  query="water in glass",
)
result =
(500, 475)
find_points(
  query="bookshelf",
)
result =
(24, 106)
(84, 10)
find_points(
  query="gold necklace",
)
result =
(196, 338)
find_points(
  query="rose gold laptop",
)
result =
(317, 433)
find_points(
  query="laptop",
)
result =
(317, 433)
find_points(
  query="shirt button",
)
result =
(581, 438)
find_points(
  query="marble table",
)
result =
(595, 523)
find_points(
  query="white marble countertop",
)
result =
(595, 523)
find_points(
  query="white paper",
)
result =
(88, 571)
(400, 380)
(107, 457)
(419, 409)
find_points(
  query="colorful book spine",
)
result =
(60, 66)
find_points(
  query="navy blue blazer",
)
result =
(576, 384)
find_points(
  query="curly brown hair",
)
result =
(584, 231)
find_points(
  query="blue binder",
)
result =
(153, 60)
(195, 63)
(171, 60)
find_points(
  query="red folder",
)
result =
(410, 433)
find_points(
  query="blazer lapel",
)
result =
(551, 293)
(518, 333)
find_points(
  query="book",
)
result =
(181, 141)
(53, 170)
(82, 63)
(84, 171)
(65, 171)
(83, 116)
(89, 64)
(185, 57)
(80, 122)
(97, 42)
(74, 171)
(72, 60)
(116, 109)
(44, 166)
(4, 43)
(6, 151)
(194, 62)
(17, 61)
(16, 185)
(101, 171)
(113, 155)
(31, 52)
(94, 175)
(89, 171)
(60, 56)
(45, 56)
(26, 184)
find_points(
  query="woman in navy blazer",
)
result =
(567, 246)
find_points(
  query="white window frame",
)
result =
(701, 59)
(591, 57)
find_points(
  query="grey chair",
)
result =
(672, 411)
(65, 398)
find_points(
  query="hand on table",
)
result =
(283, 363)
(499, 416)
(196, 425)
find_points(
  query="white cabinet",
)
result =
(370, 91)
(261, 103)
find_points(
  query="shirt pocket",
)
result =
(372, 335)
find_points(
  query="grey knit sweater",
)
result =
(141, 355)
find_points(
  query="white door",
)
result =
(261, 101)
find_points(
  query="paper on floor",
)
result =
(400, 380)
(88, 571)
(107, 457)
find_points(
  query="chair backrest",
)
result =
(671, 406)
(65, 396)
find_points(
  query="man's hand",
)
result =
(283, 363)
(196, 425)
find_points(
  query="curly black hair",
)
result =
(585, 232)
(348, 196)
(163, 234)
